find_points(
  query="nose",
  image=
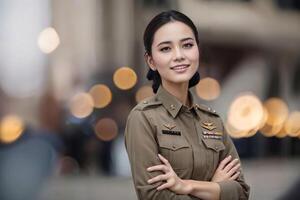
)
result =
(178, 54)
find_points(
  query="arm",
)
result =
(202, 189)
(142, 151)
(232, 189)
(227, 170)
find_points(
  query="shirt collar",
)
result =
(170, 102)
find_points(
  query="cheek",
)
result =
(194, 55)
(161, 60)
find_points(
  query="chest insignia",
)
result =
(170, 132)
(169, 126)
(217, 137)
(208, 125)
(212, 135)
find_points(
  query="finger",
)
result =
(164, 186)
(231, 164)
(158, 178)
(164, 160)
(163, 168)
(235, 176)
(234, 169)
(224, 162)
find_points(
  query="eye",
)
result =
(165, 49)
(188, 45)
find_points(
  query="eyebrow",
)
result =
(168, 42)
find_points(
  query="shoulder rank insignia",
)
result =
(206, 109)
(208, 125)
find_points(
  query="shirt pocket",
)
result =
(177, 151)
(213, 149)
(213, 144)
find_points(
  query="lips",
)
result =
(180, 68)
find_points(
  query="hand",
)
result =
(169, 178)
(227, 170)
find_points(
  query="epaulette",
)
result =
(207, 109)
(148, 102)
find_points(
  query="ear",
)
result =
(149, 61)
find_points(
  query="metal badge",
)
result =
(208, 125)
(169, 126)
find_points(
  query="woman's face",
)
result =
(175, 53)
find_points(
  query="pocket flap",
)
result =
(215, 145)
(173, 143)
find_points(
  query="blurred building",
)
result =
(54, 52)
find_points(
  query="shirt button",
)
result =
(145, 102)
(174, 147)
(216, 147)
(172, 107)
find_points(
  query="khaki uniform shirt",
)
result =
(193, 140)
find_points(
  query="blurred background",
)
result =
(71, 71)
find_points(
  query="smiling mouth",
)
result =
(179, 67)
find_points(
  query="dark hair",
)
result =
(157, 22)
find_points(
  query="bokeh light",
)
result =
(292, 124)
(277, 111)
(81, 105)
(233, 132)
(277, 114)
(282, 133)
(48, 40)
(106, 129)
(245, 115)
(270, 130)
(125, 78)
(11, 128)
(143, 92)
(101, 95)
(208, 89)
(264, 118)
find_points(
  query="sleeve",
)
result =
(142, 151)
(233, 189)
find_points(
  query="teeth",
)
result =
(180, 67)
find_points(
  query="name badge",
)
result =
(170, 132)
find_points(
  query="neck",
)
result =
(179, 90)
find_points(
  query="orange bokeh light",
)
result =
(101, 95)
(106, 129)
(208, 89)
(11, 128)
(125, 78)
(81, 105)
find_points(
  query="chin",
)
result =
(180, 80)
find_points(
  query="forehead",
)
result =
(172, 31)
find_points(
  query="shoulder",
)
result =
(143, 108)
(146, 104)
(207, 110)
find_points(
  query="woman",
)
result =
(178, 149)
